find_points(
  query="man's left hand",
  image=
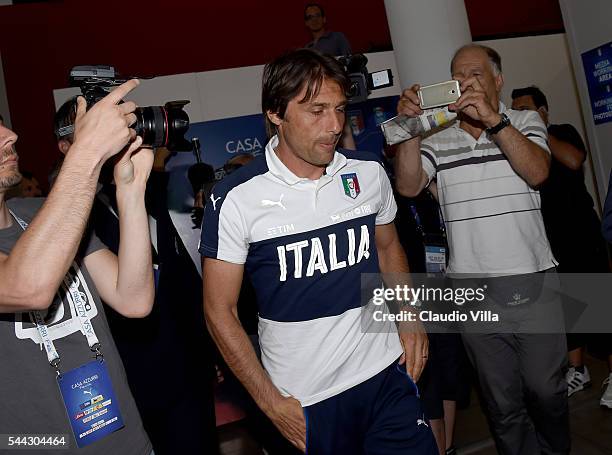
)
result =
(416, 348)
(475, 103)
(134, 166)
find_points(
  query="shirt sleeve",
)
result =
(531, 125)
(90, 243)
(567, 133)
(223, 230)
(27, 208)
(388, 206)
(428, 159)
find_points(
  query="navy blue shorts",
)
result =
(381, 416)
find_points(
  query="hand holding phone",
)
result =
(437, 95)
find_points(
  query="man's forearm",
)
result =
(135, 288)
(569, 155)
(237, 350)
(40, 259)
(410, 179)
(529, 160)
(393, 259)
(394, 266)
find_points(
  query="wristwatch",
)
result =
(504, 122)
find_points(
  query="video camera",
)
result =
(362, 81)
(159, 126)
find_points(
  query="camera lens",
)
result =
(163, 126)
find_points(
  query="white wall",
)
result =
(540, 60)
(588, 25)
(223, 93)
(425, 35)
(545, 61)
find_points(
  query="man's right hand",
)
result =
(104, 130)
(288, 416)
(409, 103)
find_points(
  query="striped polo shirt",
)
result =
(305, 245)
(493, 217)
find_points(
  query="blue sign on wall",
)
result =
(598, 70)
(220, 141)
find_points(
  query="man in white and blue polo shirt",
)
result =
(306, 221)
(485, 170)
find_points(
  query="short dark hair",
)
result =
(286, 76)
(539, 99)
(310, 5)
(64, 117)
(492, 54)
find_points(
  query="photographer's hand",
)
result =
(134, 166)
(125, 281)
(104, 130)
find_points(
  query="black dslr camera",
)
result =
(362, 81)
(159, 126)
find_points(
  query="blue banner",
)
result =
(598, 71)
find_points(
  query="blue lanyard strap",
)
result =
(417, 218)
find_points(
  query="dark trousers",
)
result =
(524, 390)
(381, 416)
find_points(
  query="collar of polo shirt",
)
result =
(278, 168)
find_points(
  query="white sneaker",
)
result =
(577, 381)
(606, 398)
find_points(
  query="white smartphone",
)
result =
(437, 95)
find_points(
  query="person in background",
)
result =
(172, 335)
(606, 398)
(572, 224)
(485, 169)
(331, 43)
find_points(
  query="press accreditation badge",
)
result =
(435, 259)
(90, 402)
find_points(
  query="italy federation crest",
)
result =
(351, 185)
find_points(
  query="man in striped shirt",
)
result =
(485, 169)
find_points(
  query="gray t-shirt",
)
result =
(332, 43)
(29, 393)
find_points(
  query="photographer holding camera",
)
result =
(485, 169)
(50, 278)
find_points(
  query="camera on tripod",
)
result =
(159, 126)
(362, 81)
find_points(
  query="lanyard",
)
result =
(71, 284)
(417, 218)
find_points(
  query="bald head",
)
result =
(492, 56)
